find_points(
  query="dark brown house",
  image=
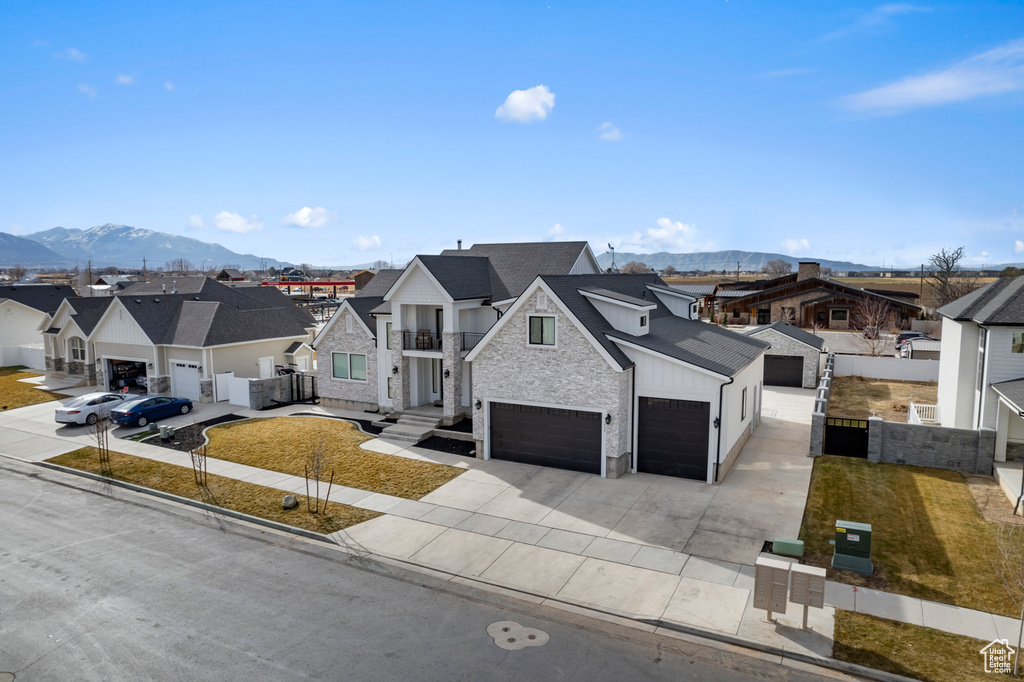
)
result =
(805, 299)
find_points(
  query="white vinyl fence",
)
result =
(238, 391)
(33, 357)
(898, 369)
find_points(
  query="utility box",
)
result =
(853, 547)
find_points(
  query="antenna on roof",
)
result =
(612, 249)
(460, 245)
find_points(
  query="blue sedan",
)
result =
(148, 408)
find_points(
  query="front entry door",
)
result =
(436, 379)
(764, 315)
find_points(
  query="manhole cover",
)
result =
(512, 636)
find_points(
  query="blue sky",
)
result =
(342, 133)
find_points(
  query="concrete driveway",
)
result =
(761, 498)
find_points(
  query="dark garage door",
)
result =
(784, 370)
(547, 436)
(673, 438)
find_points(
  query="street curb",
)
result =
(724, 638)
(294, 530)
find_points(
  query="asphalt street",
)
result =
(101, 584)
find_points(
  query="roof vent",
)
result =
(139, 301)
(196, 298)
(460, 245)
(156, 300)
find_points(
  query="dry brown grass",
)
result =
(15, 393)
(860, 398)
(283, 444)
(256, 500)
(929, 539)
(909, 650)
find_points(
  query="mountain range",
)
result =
(120, 245)
(706, 261)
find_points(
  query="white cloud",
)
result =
(124, 79)
(877, 20)
(556, 231)
(1018, 247)
(168, 86)
(669, 235)
(232, 222)
(88, 90)
(196, 222)
(310, 217)
(523, 106)
(795, 246)
(20, 229)
(994, 72)
(609, 131)
(71, 54)
(366, 243)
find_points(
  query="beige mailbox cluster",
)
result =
(774, 580)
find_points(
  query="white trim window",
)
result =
(540, 330)
(387, 333)
(76, 349)
(348, 366)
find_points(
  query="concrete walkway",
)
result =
(514, 545)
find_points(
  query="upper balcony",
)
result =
(426, 340)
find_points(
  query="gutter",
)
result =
(633, 436)
(718, 425)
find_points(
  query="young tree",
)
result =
(777, 268)
(100, 431)
(193, 439)
(949, 278)
(634, 268)
(317, 462)
(875, 319)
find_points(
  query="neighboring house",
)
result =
(575, 369)
(24, 310)
(230, 275)
(794, 357)
(149, 338)
(804, 299)
(361, 278)
(981, 368)
(613, 373)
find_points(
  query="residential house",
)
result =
(24, 310)
(805, 299)
(175, 339)
(794, 357)
(230, 275)
(981, 368)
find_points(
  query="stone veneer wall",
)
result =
(785, 345)
(573, 373)
(206, 391)
(345, 393)
(965, 450)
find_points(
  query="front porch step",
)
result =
(419, 420)
(406, 433)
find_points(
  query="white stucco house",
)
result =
(174, 337)
(25, 309)
(981, 368)
(556, 364)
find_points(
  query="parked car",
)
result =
(903, 337)
(140, 410)
(86, 409)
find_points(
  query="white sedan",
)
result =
(86, 408)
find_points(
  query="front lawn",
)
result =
(909, 650)
(929, 539)
(860, 398)
(283, 444)
(255, 500)
(15, 393)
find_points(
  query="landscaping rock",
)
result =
(289, 502)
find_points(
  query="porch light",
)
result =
(149, 365)
(394, 369)
(607, 419)
(447, 373)
(478, 404)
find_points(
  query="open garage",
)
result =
(546, 436)
(130, 374)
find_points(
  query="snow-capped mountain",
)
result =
(16, 250)
(126, 246)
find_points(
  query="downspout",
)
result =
(718, 425)
(632, 417)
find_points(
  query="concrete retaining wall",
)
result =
(965, 450)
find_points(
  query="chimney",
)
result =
(460, 245)
(808, 270)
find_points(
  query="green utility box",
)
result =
(853, 547)
(788, 547)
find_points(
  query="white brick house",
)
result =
(794, 356)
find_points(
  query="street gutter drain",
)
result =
(512, 636)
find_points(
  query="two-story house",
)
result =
(981, 368)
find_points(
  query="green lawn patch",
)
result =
(256, 500)
(929, 539)
(15, 393)
(909, 650)
(283, 444)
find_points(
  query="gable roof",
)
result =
(362, 307)
(997, 303)
(380, 283)
(45, 298)
(516, 265)
(793, 332)
(779, 292)
(709, 347)
(465, 277)
(86, 312)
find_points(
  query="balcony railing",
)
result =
(922, 414)
(427, 340)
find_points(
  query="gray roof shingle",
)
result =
(792, 332)
(380, 283)
(997, 303)
(465, 278)
(45, 298)
(516, 265)
(1012, 390)
(363, 306)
